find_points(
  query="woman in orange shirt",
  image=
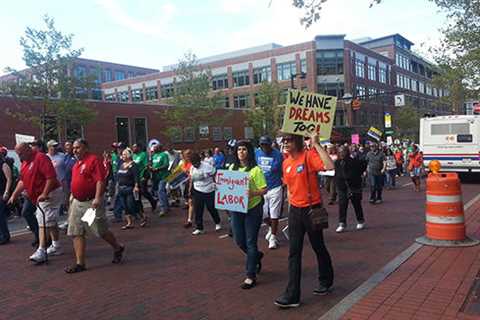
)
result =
(300, 170)
(415, 165)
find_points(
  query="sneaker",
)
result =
(371, 200)
(360, 226)
(340, 228)
(54, 250)
(63, 226)
(284, 303)
(39, 256)
(197, 232)
(322, 290)
(272, 242)
(269, 234)
(378, 201)
(162, 213)
(218, 227)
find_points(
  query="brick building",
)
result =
(372, 69)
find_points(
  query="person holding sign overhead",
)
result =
(300, 175)
(247, 225)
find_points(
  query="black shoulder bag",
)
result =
(318, 214)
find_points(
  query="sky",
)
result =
(156, 33)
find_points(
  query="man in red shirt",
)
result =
(88, 189)
(39, 180)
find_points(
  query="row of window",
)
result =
(383, 71)
(405, 63)
(103, 75)
(408, 83)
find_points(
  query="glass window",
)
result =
(372, 72)
(240, 78)
(331, 89)
(137, 95)
(223, 102)
(80, 72)
(227, 133)
(360, 68)
(220, 82)
(140, 130)
(123, 131)
(372, 93)
(96, 94)
(119, 75)
(360, 92)
(382, 74)
(329, 62)
(286, 70)
(453, 128)
(131, 74)
(109, 97)
(240, 102)
(151, 93)
(189, 134)
(217, 134)
(107, 75)
(96, 74)
(428, 89)
(421, 87)
(123, 96)
(166, 90)
(262, 74)
(303, 65)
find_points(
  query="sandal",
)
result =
(76, 268)
(125, 227)
(118, 255)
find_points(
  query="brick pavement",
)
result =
(168, 274)
(432, 284)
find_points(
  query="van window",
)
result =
(450, 128)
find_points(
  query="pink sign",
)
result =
(355, 138)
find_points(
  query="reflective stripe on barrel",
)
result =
(445, 219)
(444, 199)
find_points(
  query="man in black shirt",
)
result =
(348, 178)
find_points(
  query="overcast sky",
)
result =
(155, 33)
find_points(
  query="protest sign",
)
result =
(177, 177)
(375, 133)
(308, 112)
(355, 138)
(231, 191)
(23, 138)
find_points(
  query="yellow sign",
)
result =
(308, 112)
(388, 120)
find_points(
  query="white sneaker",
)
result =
(218, 227)
(269, 234)
(340, 228)
(38, 256)
(272, 242)
(361, 226)
(197, 232)
(54, 250)
(63, 226)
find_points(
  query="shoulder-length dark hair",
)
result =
(251, 162)
(195, 159)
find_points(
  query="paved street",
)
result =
(169, 274)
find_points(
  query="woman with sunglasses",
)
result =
(300, 170)
(247, 225)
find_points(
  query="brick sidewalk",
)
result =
(432, 284)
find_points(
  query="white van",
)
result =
(453, 140)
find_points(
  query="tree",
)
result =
(193, 103)
(407, 122)
(49, 56)
(266, 117)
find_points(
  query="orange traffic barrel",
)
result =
(444, 215)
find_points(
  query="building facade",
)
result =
(374, 70)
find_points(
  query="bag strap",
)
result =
(308, 180)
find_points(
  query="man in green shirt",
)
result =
(159, 168)
(140, 158)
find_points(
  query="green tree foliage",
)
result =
(266, 117)
(193, 102)
(407, 122)
(49, 56)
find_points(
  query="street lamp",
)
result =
(302, 75)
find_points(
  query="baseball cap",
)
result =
(265, 140)
(52, 143)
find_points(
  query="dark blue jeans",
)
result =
(245, 232)
(4, 233)
(376, 186)
(118, 207)
(128, 201)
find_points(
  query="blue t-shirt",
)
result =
(271, 165)
(219, 160)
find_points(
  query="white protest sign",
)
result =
(231, 192)
(23, 138)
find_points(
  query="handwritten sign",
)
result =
(308, 112)
(375, 133)
(231, 191)
(355, 138)
(23, 138)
